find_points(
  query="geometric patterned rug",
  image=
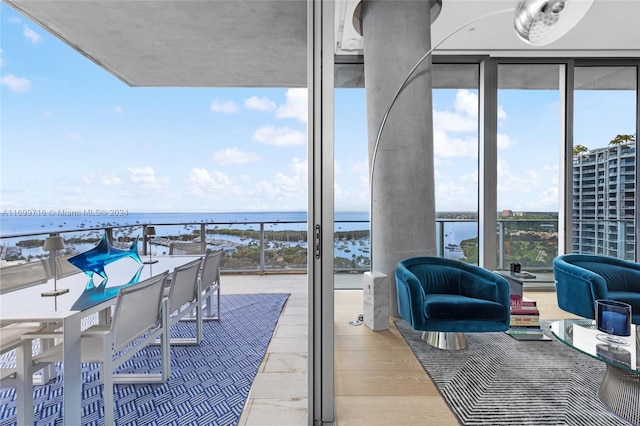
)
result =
(209, 383)
(498, 380)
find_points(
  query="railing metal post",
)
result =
(51, 259)
(440, 224)
(109, 232)
(501, 245)
(144, 240)
(203, 238)
(261, 248)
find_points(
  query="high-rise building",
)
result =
(604, 201)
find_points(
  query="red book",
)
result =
(520, 311)
(523, 303)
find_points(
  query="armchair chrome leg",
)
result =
(445, 340)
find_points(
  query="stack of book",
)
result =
(525, 319)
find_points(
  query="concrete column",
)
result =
(396, 35)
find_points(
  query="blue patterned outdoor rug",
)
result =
(209, 383)
(498, 380)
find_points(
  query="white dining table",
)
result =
(69, 309)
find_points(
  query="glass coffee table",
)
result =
(620, 388)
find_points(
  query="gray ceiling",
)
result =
(262, 43)
(189, 43)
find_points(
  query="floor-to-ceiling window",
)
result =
(529, 141)
(604, 161)
(455, 123)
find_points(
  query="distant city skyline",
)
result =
(76, 137)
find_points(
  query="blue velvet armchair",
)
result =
(581, 279)
(446, 298)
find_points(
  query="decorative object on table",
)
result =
(93, 295)
(149, 231)
(53, 244)
(93, 261)
(614, 319)
(515, 267)
(581, 279)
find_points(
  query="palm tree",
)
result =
(578, 149)
(620, 139)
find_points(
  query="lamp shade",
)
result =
(150, 230)
(541, 22)
(53, 243)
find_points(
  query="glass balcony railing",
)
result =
(281, 247)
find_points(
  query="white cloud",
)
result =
(259, 104)
(204, 184)
(31, 35)
(515, 181)
(337, 168)
(118, 109)
(454, 122)
(444, 146)
(360, 167)
(502, 115)
(235, 156)
(101, 179)
(291, 186)
(466, 103)
(110, 180)
(295, 106)
(279, 136)
(75, 136)
(548, 199)
(464, 117)
(351, 188)
(504, 141)
(147, 179)
(16, 84)
(224, 107)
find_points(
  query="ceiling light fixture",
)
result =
(541, 22)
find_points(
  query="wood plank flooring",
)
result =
(378, 380)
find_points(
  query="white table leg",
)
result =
(24, 384)
(72, 386)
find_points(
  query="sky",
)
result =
(75, 137)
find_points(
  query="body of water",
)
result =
(90, 224)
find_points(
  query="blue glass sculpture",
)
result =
(94, 295)
(93, 261)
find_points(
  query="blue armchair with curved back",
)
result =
(581, 279)
(446, 298)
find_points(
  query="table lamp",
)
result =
(53, 244)
(149, 231)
